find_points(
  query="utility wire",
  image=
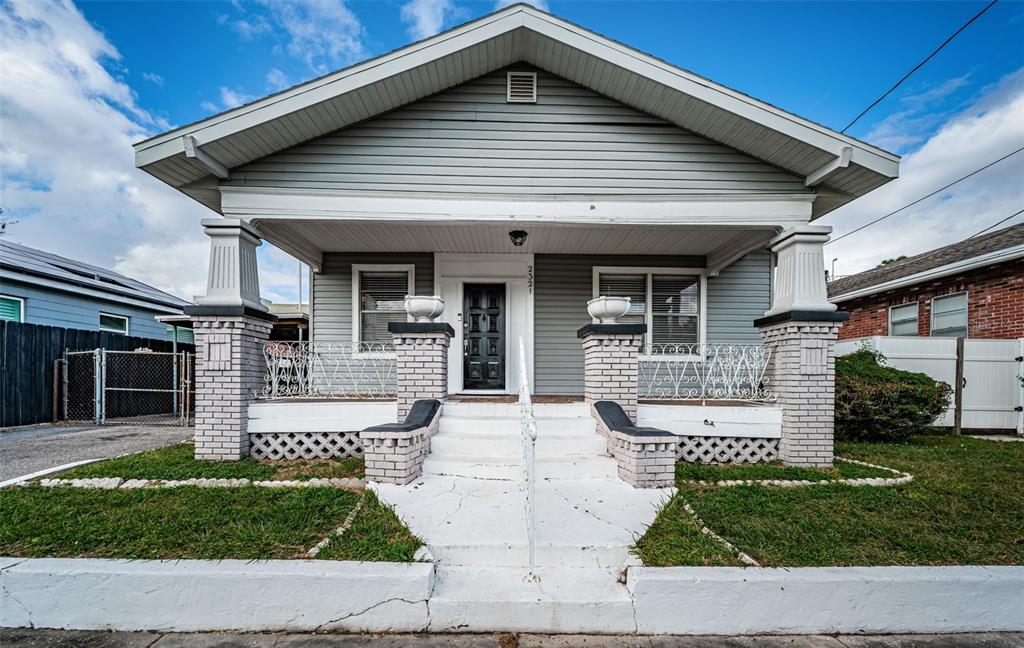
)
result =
(919, 65)
(995, 224)
(939, 190)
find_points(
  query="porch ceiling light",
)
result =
(518, 237)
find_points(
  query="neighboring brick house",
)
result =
(973, 288)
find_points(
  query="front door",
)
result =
(483, 336)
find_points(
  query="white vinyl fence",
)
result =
(993, 394)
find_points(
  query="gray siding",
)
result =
(564, 284)
(68, 310)
(469, 140)
(332, 289)
(737, 297)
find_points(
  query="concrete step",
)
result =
(504, 469)
(511, 410)
(450, 445)
(490, 427)
(561, 600)
(611, 556)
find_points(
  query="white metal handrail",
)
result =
(332, 369)
(528, 433)
(705, 372)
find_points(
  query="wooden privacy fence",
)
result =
(990, 372)
(30, 377)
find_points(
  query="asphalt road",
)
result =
(30, 449)
(91, 639)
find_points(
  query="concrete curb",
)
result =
(46, 471)
(736, 600)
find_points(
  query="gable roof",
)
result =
(980, 251)
(29, 265)
(840, 166)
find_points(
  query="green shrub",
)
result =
(875, 402)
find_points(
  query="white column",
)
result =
(233, 277)
(800, 275)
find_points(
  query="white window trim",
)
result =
(917, 315)
(967, 312)
(127, 323)
(702, 320)
(21, 306)
(357, 317)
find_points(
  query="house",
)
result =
(518, 166)
(973, 288)
(37, 287)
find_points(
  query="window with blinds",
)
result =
(903, 319)
(669, 304)
(381, 300)
(10, 309)
(949, 316)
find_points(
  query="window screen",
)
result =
(113, 323)
(10, 309)
(903, 319)
(675, 310)
(381, 300)
(949, 316)
(633, 286)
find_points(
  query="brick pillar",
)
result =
(421, 367)
(802, 374)
(230, 371)
(610, 353)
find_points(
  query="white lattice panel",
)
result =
(736, 450)
(276, 446)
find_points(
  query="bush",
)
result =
(875, 402)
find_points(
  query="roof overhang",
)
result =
(192, 157)
(981, 261)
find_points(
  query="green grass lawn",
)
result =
(773, 470)
(965, 506)
(177, 462)
(248, 523)
(376, 533)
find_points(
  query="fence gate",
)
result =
(128, 387)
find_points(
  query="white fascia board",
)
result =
(735, 102)
(88, 292)
(319, 90)
(991, 258)
(774, 210)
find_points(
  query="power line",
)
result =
(918, 66)
(939, 190)
(995, 224)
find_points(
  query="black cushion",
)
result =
(420, 415)
(615, 419)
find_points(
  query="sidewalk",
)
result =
(18, 638)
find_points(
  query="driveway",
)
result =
(30, 449)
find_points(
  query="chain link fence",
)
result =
(129, 387)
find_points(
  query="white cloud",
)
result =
(986, 130)
(539, 4)
(277, 79)
(425, 18)
(232, 97)
(325, 34)
(68, 173)
(921, 113)
(153, 78)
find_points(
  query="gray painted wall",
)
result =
(564, 283)
(332, 289)
(469, 140)
(68, 310)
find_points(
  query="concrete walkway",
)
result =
(29, 449)
(469, 507)
(98, 639)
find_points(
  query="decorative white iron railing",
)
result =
(705, 372)
(528, 430)
(336, 370)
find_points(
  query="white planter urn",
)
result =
(607, 310)
(424, 308)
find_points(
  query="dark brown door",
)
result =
(483, 341)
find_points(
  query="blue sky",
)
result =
(136, 68)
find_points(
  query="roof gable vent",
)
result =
(521, 87)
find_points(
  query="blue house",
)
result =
(37, 287)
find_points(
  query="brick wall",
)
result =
(995, 304)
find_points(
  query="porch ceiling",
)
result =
(313, 237)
